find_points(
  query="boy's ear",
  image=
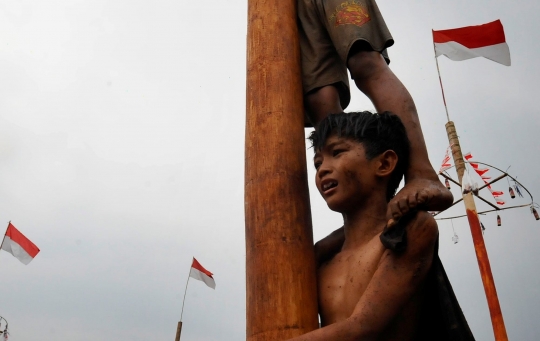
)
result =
(387, 163)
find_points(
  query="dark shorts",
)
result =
(328, 29)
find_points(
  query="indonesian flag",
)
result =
(468, 156)
(200, 273)
(18, 245)
(463, 43)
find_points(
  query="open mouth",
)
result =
(329, 185)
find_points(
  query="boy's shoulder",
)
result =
(329, 246)
(421, 228)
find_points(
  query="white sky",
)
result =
(122, 148)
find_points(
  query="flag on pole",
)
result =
(198, 272)
(18, 245)
(463, 43)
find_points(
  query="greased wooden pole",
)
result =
(479, 246)
(280, 262)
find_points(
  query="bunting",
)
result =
(446, 161)
(482, 173)
(467, 183)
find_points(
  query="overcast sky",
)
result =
(121, 156)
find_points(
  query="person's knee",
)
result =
(365, 64)
(321, 102)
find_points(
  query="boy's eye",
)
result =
(336, 152)
(317, 165)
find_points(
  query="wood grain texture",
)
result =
(280, 262)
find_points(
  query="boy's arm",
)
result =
(396, 279)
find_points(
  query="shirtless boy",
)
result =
(365, 291)
(336, 35)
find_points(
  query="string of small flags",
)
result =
(470, 186)
(446, 161)
(483, 174)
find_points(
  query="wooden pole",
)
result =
(185, 291)
(280, 263)
(178, 331)
(479, 246)
(4, 237)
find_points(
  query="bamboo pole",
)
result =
(497, 321)
(178, 331)
(281, 298)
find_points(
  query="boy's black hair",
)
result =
(377, 132)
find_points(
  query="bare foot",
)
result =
(424, 194)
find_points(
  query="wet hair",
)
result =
(377, 133)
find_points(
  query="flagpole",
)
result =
(2, 244)
(179, 327)
(440, 82)
(499, 329)
(184, 300)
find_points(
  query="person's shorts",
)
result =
(328, 29)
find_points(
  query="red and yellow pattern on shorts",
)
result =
(351, 12)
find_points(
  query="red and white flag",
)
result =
(200, 273)
(18, 245)
(463, 43)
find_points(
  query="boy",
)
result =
(336, 35)
(368, 290)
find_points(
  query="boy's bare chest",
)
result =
(343, 280)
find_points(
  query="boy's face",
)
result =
(345, 177)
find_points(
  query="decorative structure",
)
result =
(497, 195)
(472, 215)
(280, 261)
(499, 328)
(456, 45)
